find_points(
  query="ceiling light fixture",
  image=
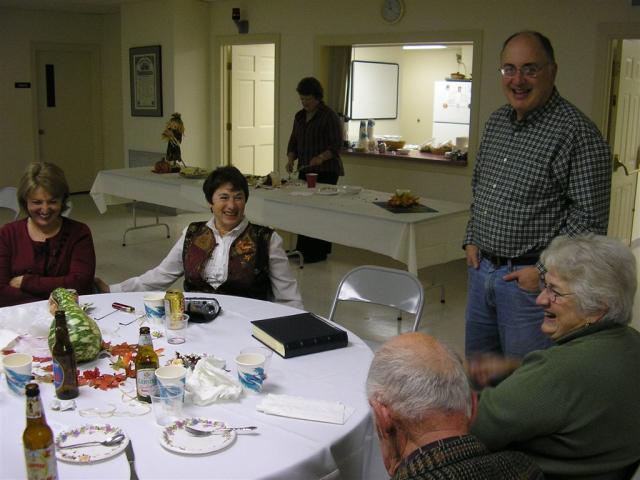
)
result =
(423, 47)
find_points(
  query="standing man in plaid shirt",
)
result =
(543, 169)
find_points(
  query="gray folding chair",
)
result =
(67, 211)
(398, 289)
(9, 200)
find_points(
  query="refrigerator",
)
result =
(451, 110)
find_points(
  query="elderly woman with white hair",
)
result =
(575, 407)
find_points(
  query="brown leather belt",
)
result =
(527, 259)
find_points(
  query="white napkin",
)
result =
(305, 408)
(301, 193)
(209, 382)
(31, 318)
(7, 338)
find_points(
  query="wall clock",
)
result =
(392, 10)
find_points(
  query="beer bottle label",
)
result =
(34, 408)
(145, 379)
(41, 464)
(58, 374)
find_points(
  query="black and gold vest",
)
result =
(248, 274)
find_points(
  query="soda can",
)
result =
(173, 302)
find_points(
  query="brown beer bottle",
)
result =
(146, 364)
(39, 450)
(65, 376)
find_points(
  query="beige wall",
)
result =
(191, 79)
(143, 24)
(20, 30)
(112, 138)
(579, 30)
(180, 27)
(572, 25)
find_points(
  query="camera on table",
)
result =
(201, 309)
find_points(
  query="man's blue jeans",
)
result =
(501, 317)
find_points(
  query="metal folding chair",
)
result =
(9, 200)
(398, 289)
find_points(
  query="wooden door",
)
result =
(252, 108)
(626, 141)
(66, 118)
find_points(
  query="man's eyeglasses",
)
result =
(529, 71)
(550, 291)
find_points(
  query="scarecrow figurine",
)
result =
(173, 135)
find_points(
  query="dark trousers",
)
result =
(313, 249)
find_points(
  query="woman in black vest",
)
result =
(226, 254)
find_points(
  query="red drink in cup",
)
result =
(312, 179)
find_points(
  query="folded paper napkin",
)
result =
(209, 382)
(305, 408)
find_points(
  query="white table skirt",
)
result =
(415, 239)
(284, 448)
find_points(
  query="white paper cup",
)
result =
(175, 328)
(251, 371)
(154, 308)
(260, 350)
(17, 368)
(166, 404)
(171, 376)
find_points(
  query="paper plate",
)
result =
(175, 438)
(89, 453)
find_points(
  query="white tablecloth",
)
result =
(415, 239)
(284, 448)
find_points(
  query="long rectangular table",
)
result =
(416, 239)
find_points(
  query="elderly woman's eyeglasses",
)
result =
(530, 71)
(550, 291)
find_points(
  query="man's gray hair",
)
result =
(412, 383)
(601, 271)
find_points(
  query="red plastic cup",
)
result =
(312, 179)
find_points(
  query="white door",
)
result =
(252, 108)
(66, 120)
(626, 142)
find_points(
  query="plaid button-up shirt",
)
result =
(310, 138)
(547, 175)
(465, 458)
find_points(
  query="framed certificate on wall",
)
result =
(145, 70)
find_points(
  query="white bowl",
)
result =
(350, 189)
(403, 151)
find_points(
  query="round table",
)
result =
(283, 447)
